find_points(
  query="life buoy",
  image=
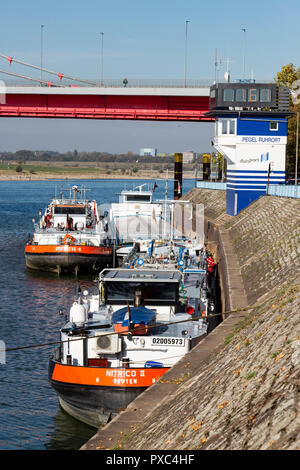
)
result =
(68, 239)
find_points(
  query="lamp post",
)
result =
(185, 54)
(101, 77)
(244, 54)
(216, 66)
(42, 29)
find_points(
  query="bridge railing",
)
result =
(284, 190)
(221, 186)
(115, 83)
(281, 190)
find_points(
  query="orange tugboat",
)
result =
(72, 235)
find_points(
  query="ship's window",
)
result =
(153, 293)
(273, 126)
(265, 95)
(228, 94)
(240, 94)
(69, 210)
(253, 95)
(138, 198)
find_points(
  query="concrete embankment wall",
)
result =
(240, 387)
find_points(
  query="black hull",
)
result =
(93, 405)
(69, 262)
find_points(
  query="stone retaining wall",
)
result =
(239, 388)
(244, 397)
(265, 238)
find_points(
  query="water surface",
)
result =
(30, 416)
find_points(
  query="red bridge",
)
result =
(156, 104)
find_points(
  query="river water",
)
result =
(30, 416)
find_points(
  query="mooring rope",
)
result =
(51, 343)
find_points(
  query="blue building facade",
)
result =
(253, 140)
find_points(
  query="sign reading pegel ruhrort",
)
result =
(251, 139)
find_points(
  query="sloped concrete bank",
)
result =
(240, 387)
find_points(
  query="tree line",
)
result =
(289, 76)
(23, 156)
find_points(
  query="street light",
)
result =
(185, 55)
(101, 77)
(42, 28)
(244, 58)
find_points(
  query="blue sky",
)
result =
(141, 40)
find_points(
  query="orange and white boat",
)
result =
(122, 339)
(72, 235)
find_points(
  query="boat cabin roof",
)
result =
(140, 275)
(137, 194)
(122, 286)
(71, 209)
(69, 204)
(76, 195)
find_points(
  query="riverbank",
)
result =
(44, 170)
(239, 388)
(4, 176)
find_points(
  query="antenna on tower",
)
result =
(227, 73)
(227, 77)
(216, 66)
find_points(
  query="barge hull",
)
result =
(94, 405)
(66, 260)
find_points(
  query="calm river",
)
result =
(30, 416)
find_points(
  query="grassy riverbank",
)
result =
(86, 170)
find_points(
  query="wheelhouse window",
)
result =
(265, 95)
(152, 293)
(240, 94)
(69, 210)
(228, 94)
(138, 198)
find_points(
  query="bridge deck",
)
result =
(160, 104)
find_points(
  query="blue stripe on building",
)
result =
(251, 178)
(260, 127)
(246, 188)
(239, 200)
(254, 171)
